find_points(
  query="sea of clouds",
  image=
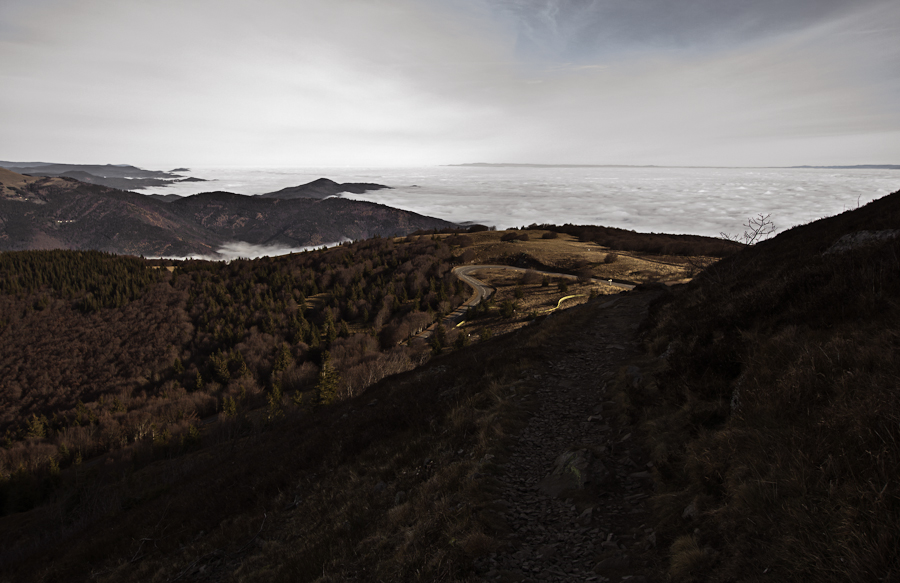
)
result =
(703, 201)
(243, 250)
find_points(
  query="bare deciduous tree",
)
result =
(758, 228)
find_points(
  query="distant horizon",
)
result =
(187, 167)
(410, 83)
(541, 165)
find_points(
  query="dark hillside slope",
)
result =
(63, 213)
(297, 222)
(386, 486)
(774, 416)
(323, 188)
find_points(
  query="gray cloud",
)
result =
(582, 30)
(405, 82)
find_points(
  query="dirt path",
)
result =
(600, 532)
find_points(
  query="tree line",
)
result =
(104, 354)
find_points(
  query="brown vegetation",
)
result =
(773, 417)
(768, 398)
(393, 485)
(654, 243)
(104, 354)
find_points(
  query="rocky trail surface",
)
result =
(575, 481)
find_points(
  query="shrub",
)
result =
(530, 277)
(459, 240)
(611, 258)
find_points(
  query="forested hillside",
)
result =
(102, 353)
(63, 213)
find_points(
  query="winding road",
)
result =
(482, 291)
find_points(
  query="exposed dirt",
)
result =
(536, 300)
(566, 253)
(600, 531)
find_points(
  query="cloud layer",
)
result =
(405, 82)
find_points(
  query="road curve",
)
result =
(468, 269)
(481, 291)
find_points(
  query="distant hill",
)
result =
(299, 221)
(856, 167)
(122, 176)
(63, 213)
(323, 188)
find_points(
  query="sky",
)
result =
(276, 83)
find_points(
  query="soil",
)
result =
(601, 531)
(536, 300)
(567, 254)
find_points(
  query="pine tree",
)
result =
(283, 359)
(37, 426)
(218, 362)
(275, 398)
(439, 338)
(229, 407)
(327, 385)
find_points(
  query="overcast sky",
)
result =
(409, 82)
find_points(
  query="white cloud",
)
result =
(243, 250)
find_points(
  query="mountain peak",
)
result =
(323, 188)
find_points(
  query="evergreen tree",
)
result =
(275, 397)
(439, 338)
(218, 362)
(327, 384)
(229, 407)
(283, 358)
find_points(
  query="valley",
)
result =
(568, 428)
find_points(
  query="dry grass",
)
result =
(569, 255)
(13, 185)
(770, 404)
(536, 300)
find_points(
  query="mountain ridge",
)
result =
(323, 188)
(122, 176)
(61, 212)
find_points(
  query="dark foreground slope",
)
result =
(768, 399)
(418, 479)
(774, 415)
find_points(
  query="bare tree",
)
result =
(758, 228)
